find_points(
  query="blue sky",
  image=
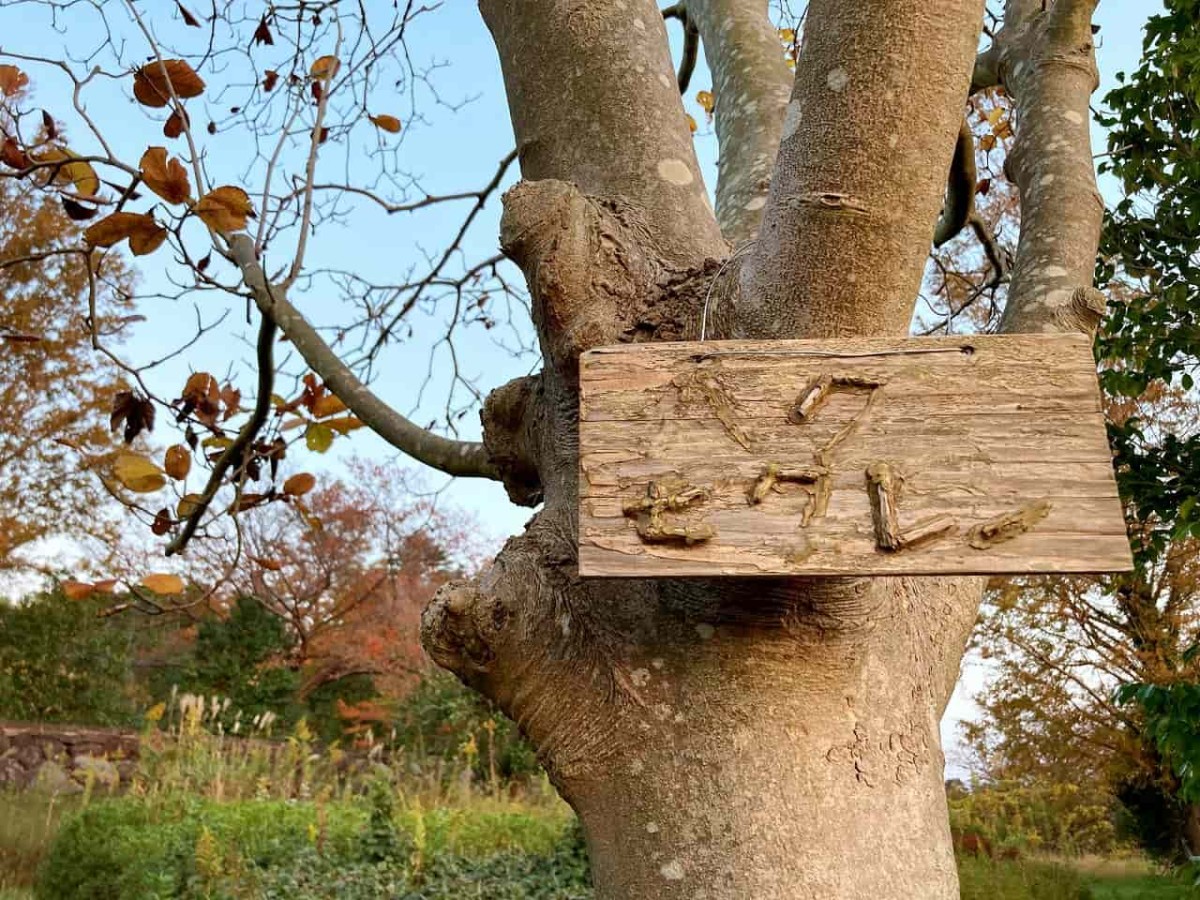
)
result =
(448, 150)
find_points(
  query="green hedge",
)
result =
(131, 848)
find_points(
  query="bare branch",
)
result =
(463, 458)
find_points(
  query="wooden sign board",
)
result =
(963, 455)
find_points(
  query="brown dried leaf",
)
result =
(152, 83)
(299, 485)
(162, 522)
(77, 212)
(187, 505)
(270, 79)
(188, 19)
(345, 424)
(262, 34)
(225, 208)
(386, 123)
(178, 462)
(167, 178)
(325, 68)
(12, 155)
(77, 590)
(176, 122)
(327, 405)
(12, 80)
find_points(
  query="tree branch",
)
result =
(751, 84)
(1047, 62)
(463, 458)
(960, 189)
(875, 185)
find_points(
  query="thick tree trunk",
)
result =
(723, 739)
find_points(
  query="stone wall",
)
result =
(64, 758)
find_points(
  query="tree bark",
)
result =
(726, 738)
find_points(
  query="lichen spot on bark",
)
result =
(1073, 116)
(675, 171)
(838, 79)
(705, 631)
(672, 871)
(756, 203)
(651, 828)
(791, 119)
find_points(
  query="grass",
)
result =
(224, 805)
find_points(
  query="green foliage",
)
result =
(1152, 237)
(986, 879)
(239, 657)
(443, 719)
(1061, 819)
(59, 662)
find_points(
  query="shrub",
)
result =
(59, 662)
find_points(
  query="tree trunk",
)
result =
(725, 738)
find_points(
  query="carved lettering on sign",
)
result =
(857, 457)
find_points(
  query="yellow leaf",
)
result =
(707, 101)
(188, 504)
(220, 442)
(299, 485)
(73, 170)
(153, 82)
(178, 462)
(995, 114)
(163, 584)
(692, 126)
(787, 35)
(386, 123)
(325, 67)
(225, 208)
(138, 474)
(167, 178)
(318, 437)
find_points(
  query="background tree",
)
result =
(1062, 648)
(762, 739)
(54, 390)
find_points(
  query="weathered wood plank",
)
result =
(980, 454)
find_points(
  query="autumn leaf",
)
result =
(271, 565)
(144, 234)
(133, 411)
(107, 586)
(270, 79)
(318, 437)
(187, 505)
(325, 68)
(386, 123)
(248, 501)
(73, 170)
(162, 522)
(176, 122)
(201, 396)
(327, 405)
(138, 474)
(12, 80)
(163, 583)
(188, 19)
(344, 424)
(167, 178)
(707, 102)
(178, 462)
(225, 209)
(152, 83)
(77, 212)
(12, 155)
(692, 126)
(262, 34)
(299, 485)
(77, 590)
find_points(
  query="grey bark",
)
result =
(751, 85)
(719, 739)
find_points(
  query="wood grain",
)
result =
(964, 455)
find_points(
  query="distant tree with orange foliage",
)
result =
(55, 390)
